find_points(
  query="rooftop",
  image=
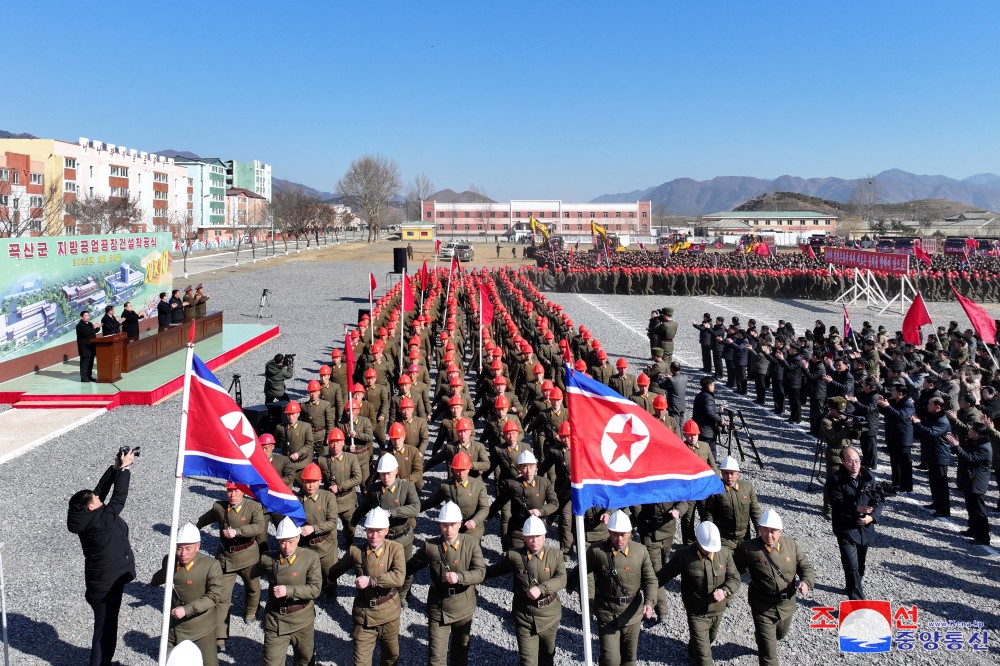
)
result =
(757, 214)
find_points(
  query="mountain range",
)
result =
(684, 196)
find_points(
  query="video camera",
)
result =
(125, 450)
(874, 494)
(287, 359)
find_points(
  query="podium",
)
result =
(110, 350)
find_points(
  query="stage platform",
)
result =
(59, 386)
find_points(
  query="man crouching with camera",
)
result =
(839, 430)
(108, 560)
(856, 500)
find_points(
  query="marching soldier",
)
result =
(320, 415)
(282, 465)
(557, 469)
(330, 391)
(197, 585)
(411, 463)
(342, 474)
(415, 426)
(379, 569)
(661, 415)
(708, 578)
(545, 426)
(691, 433)
(338, 374)
(618, 570)
(623, 383)
(400, 499)
(446, 429)
(657, 524)
(602, 371)
(528, 495)
(468, 493)
(359, 436)
(319, 534)
(774, 562)
(735, 508)
(466, 444)
(539, 574)
(642, 396)
(377, 395)
(290, 613)
(241, 522)
(296, 439)
(457, 566)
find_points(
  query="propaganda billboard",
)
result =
(45, 283)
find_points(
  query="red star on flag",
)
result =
(624, 441)
(237, 434)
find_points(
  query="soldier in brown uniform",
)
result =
(493, 429)
(736, 508)
(290, 613)
(411, 462)
(457, 566)
(342, 474)
(774, 562)
(197, 585)
(556, 469)
(188, 304)
(319, 414)
(623, 382)
(468, 493)
(415, 427)
(602, 371)
(661, 415)
(420, 390)
(690, 435)
(330, 390)
(463, 443)
(241, 522)
(657, 525)
(379, 569)
(618, 570)
(708, 578)
(643, 397)
(400, 498)
(528, 495)
(446, 428)
(545, 427)
(296, 439)
(405, 384)
(377, 395)
(319, 534)
(539, 574)
(359, 438)
(200, 301)
(338, 373)
(282, 465)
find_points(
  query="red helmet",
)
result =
(404, 379)
(595, 344)
(406, 403)
(500, 380)
(461, 461)
(547, 385)
(325, 370)
(643, 379)
(267, 439)
(463, 424)
(336, 353)
(336, 435)
(313, 385)
(538, 369)
(602, 355)
(691, 428)
(556, 394)
(312, 473)
(370, 373)
(357, 388)
(659, 402)
(232, 486)
(456, 400)
(293, 407)
(382, 332)
(501, 402)
(511, 426)
(455, 381)
(564, 429)
(581, 365)
(621, 364)
(414, 355)
(397, 430)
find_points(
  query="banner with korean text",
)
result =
(45, 282)
(880, 262)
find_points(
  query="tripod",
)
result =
(732, 434)
(235, 384)
(817, 457)
(263, 304)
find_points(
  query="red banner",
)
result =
(883, 262)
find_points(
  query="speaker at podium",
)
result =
(398, 259)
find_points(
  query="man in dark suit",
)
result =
(853, 518)
(178, 304)
(164, 312)
(109, 323)
(130, 319)
(974, 457)
(85, 333)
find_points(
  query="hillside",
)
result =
(451, 196)
(4, 134)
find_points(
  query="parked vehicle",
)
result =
(463, 251)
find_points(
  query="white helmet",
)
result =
(708, 537)
(450, 513)
(533, 526)
(770, 518)
(619, 522)
(287, 529)
(188, 533)
(377, 519)
(527, 458)
(387, 463)
(185, 654)
(729, 464)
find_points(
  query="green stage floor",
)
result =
(146, 385)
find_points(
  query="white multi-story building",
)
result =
(254, 176)
(208, 195)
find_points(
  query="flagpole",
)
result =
(402, 318)
(168, 587)
(480, 329)
(371, 307)
(581, 555)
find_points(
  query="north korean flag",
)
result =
(221, 444)
(621, 456)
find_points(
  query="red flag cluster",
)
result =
(915, 317)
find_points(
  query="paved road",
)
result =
(214, 260)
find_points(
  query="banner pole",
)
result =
(402, 318)
(168, 587)
(371, 309)
(581, 552)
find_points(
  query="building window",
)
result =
(119, 172)
(467, 213)
(604, 214)
(815, 223)
(69, 162)
(160, 177)
(618, 213)
(36, 202)
(17, 177)
(644, 215)
(4, 200)
(69, 186)
(4, 175)
(631, 213)
(479, 227)
(579, 227)
(428, 214)
(505, 214)
(779, 223)
(37, 179)
(440, 213)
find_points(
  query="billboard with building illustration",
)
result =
(46, 281)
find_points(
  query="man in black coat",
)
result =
(164, 312)
(108, 559)
(706, 413)
(130, 319)
(86, 331)
(675, 389)
(109, 323)
(853, 518)
(705, 341)
(178, 304)
(899, 435)
(931, 428)
(974, 458)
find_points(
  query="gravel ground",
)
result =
(919, 561)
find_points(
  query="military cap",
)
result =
(657, 351)
(837, 402)
(667, 311)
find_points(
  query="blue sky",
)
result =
(554, 100)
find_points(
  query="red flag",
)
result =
(437, 246)
(485, 305)
(424, 276)
(915, 317)
(920, 254)
(409, 299)
(762, 250)
(371, 285)
(349, 359)
(981, 320)
(191, 334)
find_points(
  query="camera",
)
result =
(125, 450)
(874, 494)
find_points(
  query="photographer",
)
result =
(856, 502)
(707, 415)
(275, 373)
(839, 431)
(108, 560)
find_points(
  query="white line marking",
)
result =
(621, 320)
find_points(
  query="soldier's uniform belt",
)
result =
(542, 602)
(399, 533)
(784, 595)
(344, 493)
(292, 608)
(456, 589)
(239, 546)
(316, 537)
(378, 601)
(621, 601)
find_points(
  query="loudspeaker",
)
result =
(398, 259)
(362, 312)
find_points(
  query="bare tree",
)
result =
(370, 182)
(97, 214)
(867, 197)
(20, 213)
(478, 195)
(419, 189)
(181, 222)
(287, 212)
(256, 220)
